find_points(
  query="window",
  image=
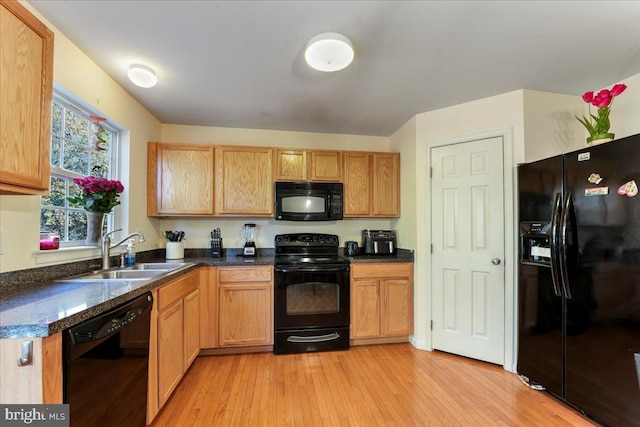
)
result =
(81, 145)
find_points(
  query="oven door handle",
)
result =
(311, 269)
(316, 338)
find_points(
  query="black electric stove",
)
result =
(311, 294)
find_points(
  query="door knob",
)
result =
(495, 261)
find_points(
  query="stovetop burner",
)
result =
(307, 248)
(301, 259)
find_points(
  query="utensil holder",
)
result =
(175, 250)
(217, 250)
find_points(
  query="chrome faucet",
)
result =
(107, 246)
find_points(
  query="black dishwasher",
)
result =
(106, 361)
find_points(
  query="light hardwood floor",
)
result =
(377, 385)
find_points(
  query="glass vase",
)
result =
(94, 228)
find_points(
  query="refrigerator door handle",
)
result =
(568, 205)
(554, 245)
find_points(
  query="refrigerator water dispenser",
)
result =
(535, 243)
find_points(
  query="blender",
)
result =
(248, 234)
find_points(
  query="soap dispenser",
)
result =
(130, 254)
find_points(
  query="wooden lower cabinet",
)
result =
(381, 301)
(191, 327)
(208, 307)
(37, 383)
(170, 350)
(245, 306)
(174, 341)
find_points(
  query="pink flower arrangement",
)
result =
(98, 194)
(598, 126)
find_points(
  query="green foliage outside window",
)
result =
(79, 147)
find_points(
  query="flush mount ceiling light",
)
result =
(142, 76)
(329, 52)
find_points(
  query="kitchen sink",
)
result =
(142, 271)
(166, 266)
(116, 275)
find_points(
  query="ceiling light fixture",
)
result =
(329, 52)
(142, 76)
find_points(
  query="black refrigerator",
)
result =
(579, 279)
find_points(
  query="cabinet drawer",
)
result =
(177, 289)
(245, 274)
(382, 270)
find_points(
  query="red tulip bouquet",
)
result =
(598, 126)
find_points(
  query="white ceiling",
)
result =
(241, 63)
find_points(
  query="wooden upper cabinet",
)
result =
(290, 165)
(324, 165)
(180, 179)
(371, 184)
(245, 181)
(357, 188)
(26, 82)
(386, 185)
(308, 165)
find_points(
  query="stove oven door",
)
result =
(311, 308)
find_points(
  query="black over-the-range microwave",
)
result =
(308, 201)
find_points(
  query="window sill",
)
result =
(68, 254)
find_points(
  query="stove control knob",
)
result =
(281, 240)
(333, 240)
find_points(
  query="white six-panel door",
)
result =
(467, 210)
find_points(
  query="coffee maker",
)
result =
(248, 234)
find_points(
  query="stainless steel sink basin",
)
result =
(117, 275)
(157, 266)
(138, 272)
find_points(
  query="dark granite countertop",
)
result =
(403, 255)
(34, 304)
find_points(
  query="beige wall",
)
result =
(271, 138)
(535, 125)
(625, 110)
(550, 125)
(404, 141)
(497, 115)
(20, 215)
(197, 229)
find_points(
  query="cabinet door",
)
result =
(26, 79)
(209, 307)
(180, 179)
(365, 308)
(246, 314)
(325, 165)
(191, 327)
(386, 185)
(397, 311)
(170, 350)
(245, 181)
(291, 165)
(357, 184)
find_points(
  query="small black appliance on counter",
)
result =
(217, 251)
(379, 242)
(351, 248)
